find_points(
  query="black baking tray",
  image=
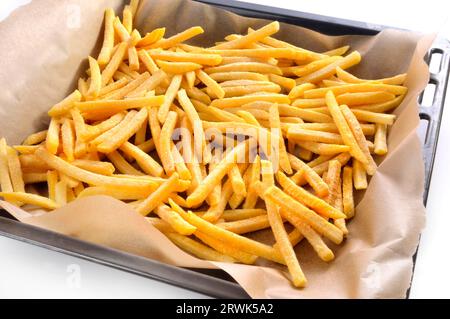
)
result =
(216, 283)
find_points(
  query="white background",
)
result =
(31, 272)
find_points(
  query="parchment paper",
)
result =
(43, 50)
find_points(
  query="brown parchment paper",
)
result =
(43, 50)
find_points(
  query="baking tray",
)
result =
(216, 283)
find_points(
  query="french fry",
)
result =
(281, 237)
(158, 196)
(359, 175)
(114, 63)
(311, 176)
(246, 225)
(152, 37)
(299, 134)
(118, 139)
(323, 148)
(346, 62)
(61, 193)
(35, 138)
(102, 168)
(52, 139)
(165, 143)
(197, 249)
(32, 178)
(237, 241)
(203, 59)
(5, 180)
(216, 175)
(52, 179)
(65, 105)
(169, 97)
(250, 38)
(297, 91)
(358, 133)
(372, 117)
(86, 176)
(108, 38)
(347, 192)
(239, 214)
(241, 100)
(310, 234)
(225, 249)
(28, 198)
(178, 67)
(116, 106)
(344, 130)
(380, 144)
(121, 30)
(307, 199)
(258, 67)
(237, 75)
(96, 78)
(354, 88)
(236, 180)
(210, 83)
(347, 77)
(275, 126)
(68, 139)
(145, 161)
(255, 173)
(175, 220)
(122, 165)
(291, 206)
(15, 171)
(177, 38)
(338, 51)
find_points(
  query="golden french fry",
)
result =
(178, 67)
(114, 63)
(121, 137)
(198, 249)
(177, 38)
(246, 225)
(275, 126)
(347, 192)
(175, 220)
(159, 195)
(250, 38)
(210, 83)
(354, 88)
(122, 165)
(152, 37)
(28, 198)
(257, 67)
(226, 249)
(358, 133)
(359, 175)
(237, 75)
(239, 214)
(245, 244)
(291, 206)
(216, 175)
(15, 171)
(35, 138)
(32, 178)
(344, 129)
(255, 175)
(52, 139)
(68, 139)
(96, 78)
(86, 176)
(169, 97)
(380, 144)
(65, 105)
(330, 69)
(108, 38)
(5, 180)
(308, 199)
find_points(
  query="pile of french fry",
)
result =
(116, 135)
